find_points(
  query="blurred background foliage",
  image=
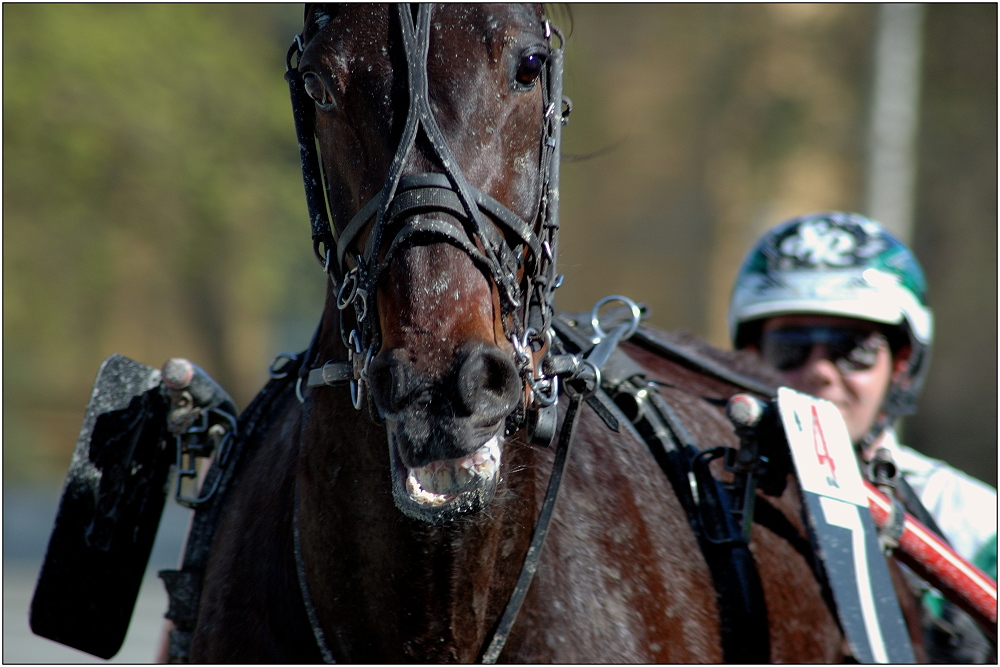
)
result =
(153, 204)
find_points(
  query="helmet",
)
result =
(838, 264)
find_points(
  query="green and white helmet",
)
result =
(837, 264)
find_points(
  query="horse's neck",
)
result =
(402, 583)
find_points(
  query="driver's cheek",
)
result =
(868, 391)
(818, 377)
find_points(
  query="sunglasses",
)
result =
(850, 350)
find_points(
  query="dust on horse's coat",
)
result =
(399, 567)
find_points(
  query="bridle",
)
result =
(524, 251)
(355, 272)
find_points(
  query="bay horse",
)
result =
(386, 492)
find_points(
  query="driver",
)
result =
(836, 305)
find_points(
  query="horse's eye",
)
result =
(530, 68)
(316, 90)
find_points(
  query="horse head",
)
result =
(437, 129)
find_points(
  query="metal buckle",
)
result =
(522, 353)
(363, 296)
(590, 384)
(329, 258)
(191, 445)
(545, 390)
(296, 48)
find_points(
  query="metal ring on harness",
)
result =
(590, 385)
(351, 278)
(194, 450)
(275, 369)
(595, 321)
(545, 390)
(523, 349)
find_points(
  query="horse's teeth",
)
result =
(489, 452)
(443, 481)
(425, 497)
(439, 482)
(434, 478)
(479, 456)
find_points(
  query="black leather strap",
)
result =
(742, 610)
(653, 341)
(506, 622)
(911, 501)
(304, 112)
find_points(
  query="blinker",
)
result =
(109, 512)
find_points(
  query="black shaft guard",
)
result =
(109, 513)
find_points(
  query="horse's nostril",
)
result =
(390, 381)
(488, 384)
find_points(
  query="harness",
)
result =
(615, 387)
(546, 349)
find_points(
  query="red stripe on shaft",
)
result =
(922, 551)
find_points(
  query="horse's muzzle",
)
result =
(439, 418)
(445, 432)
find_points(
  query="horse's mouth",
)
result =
(443, 490)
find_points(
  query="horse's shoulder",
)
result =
(620, 535)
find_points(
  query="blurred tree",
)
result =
(710, 123)
(152, 203)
